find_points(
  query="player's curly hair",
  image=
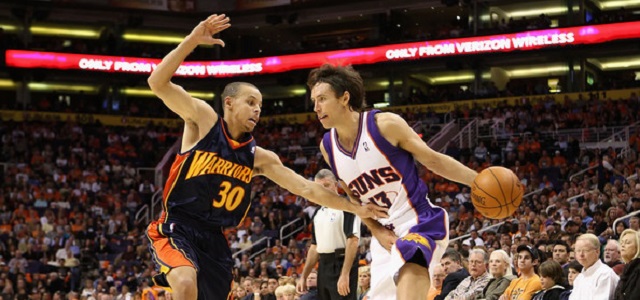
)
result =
(341, 79)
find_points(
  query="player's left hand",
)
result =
(373, 211)
(343, 285)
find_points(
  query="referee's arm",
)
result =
(310, 262)
(351, 250)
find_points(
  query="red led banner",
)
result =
(523, 41)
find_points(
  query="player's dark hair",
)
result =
(341, 79)
(232, 89)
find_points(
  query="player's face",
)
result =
(245, 107)
(328, 106)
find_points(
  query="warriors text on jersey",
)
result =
(217, 166)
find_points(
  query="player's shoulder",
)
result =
(389, 121)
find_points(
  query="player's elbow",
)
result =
(154, 83)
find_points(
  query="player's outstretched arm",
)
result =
(193, 111)
(396, 130)
(269, 165)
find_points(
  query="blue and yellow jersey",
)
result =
(210, 185)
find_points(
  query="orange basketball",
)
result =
(496, 192)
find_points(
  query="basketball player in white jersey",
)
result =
(373, 154)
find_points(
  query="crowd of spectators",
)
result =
(70, 192)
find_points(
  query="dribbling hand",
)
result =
(203, 33)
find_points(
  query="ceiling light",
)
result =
(152, 38)
(52, 87)
(299, 91)
(556, 10)
(65, 31)
(545, 70)
(142, 92)
(8, 27)
(617, 4)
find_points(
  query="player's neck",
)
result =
(235, 131)
(348, 129)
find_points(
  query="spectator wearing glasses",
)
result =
(597, 280)
(438, 279)
(472, 286)
(611, 256)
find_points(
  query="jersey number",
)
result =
(230, 197)
(381, 199)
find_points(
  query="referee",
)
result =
(334, 244)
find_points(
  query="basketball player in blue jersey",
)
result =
(373, 154)
(209, 183)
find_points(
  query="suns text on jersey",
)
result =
(208, 163)
(373, 178)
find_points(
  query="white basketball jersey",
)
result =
(378, 172)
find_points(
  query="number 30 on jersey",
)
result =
(230, 196)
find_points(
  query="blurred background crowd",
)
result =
(77, 192)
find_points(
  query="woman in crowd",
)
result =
(630, 278)
(364, 281)
(574, 269)
(500, 269)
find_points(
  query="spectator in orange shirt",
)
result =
(545, 160)
(559, 160)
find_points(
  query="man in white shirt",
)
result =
(597, 280)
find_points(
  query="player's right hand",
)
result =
(301, 286)
(372, 211)
(203, 33)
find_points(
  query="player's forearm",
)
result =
(452, 169)
(324, 197)
(351, 250)
(170, 63)
(373, 225)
